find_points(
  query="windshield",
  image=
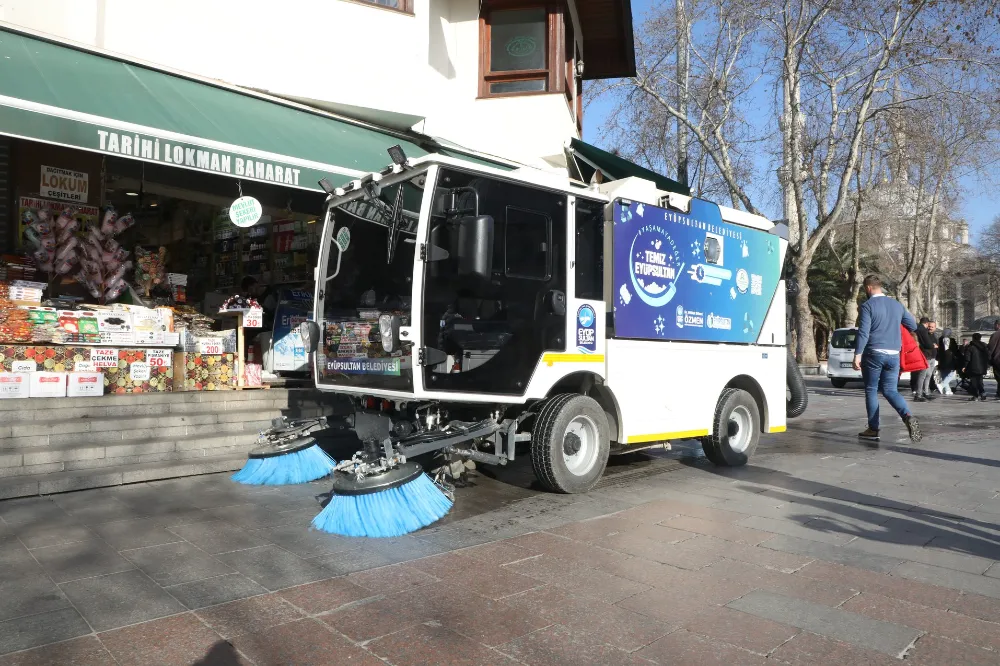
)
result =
(369, 273)
(843, 339)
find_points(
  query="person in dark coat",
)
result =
(977, 362)
(946, 363)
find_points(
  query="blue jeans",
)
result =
(881, 373)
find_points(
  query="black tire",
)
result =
(549, 437)
(733, 405)
(838, 383)
(799, 399)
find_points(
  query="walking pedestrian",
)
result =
(976, 363)
(948, 359)
(876, 355)
(994, 350)
(929, 346)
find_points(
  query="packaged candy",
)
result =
(108, 223)
(48, 243)
(44, 229)
(68, 247)
(64, 266)
(123, 223)
(28, 217)
(32, 237)
(65, 218)
(115, 290)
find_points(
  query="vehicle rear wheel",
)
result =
(570, 443)
(838, 383)
(736, 429)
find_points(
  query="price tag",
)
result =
(138, 371)
(253, 318)
(84, 366)
(159, 358)
(104, 358)
(208, 348)
(23, 366)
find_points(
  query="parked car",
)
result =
(841, 357)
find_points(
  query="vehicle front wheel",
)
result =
(570, 443)
(736, 430)
(838, 383)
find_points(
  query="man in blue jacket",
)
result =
(876, 355)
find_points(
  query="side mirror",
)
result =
(309, 332)
(475, 246)
(388, 328)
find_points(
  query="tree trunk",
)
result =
(805, 340)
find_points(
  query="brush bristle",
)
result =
(390, 513)
(299, 467)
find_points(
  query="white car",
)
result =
(841, 357)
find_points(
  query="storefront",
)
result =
(119, 245)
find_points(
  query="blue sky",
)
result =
(980, 201)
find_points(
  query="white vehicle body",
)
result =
(839, 367)
(653, 386)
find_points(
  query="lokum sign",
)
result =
(63, 184)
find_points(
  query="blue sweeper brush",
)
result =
(381, 500)
(287, 455)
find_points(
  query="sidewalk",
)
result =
(823, 551)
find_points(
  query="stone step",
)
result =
(136, 431)
(43, 459)
(60, 482)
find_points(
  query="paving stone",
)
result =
(795, 529)
(958, 580)
(684, 648)
(932, 620)
(179, 640)
(216, 537)
(933, 650)
(325, 596)
(136, 533)
(41, 536)
(566, 549)
(499, 553)
(248, 616)
(832, 553)
(799, 587)
(614, 625)
(34, 511)
(394, 578)
(597, 529)
(883, 584)
(426, 643)
(598, 585)
(725, 531)
(35, 630)
(28, 595)
(558, 645)
(80, 560)
(892, 639)
(85, 651)
(809, 649)
(936, 557)
(15, 560)
(297, 538)
(975, 605)
(492, 582)
(381, 616)
(274, 568)
(350, 561)
(176, 563)
(403, 549)
(681, 583)
(121, 599)
(483, 620)
(740, 629)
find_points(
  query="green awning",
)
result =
(590, 158)
(61, 95)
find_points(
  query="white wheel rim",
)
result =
(740, 429)
(581, 431)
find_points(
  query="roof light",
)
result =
(397, 155)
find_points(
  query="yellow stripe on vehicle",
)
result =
(664, 436)
(549, 359)
(778, 429)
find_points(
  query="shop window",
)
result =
(399, 5)
(527, 240)
(522, 48)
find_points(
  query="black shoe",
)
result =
(930, 396)
(920, 398)
(913, 428)
(974, 398)
(869, 435)
(982, 398)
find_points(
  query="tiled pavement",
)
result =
(821, 552)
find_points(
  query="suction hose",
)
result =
(799, 399)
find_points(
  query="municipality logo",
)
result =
(586, 316)
(655, 263)
(680, 316)
(742, 281)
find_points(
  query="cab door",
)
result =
(487, 334)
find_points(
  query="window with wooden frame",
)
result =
(522, 46)
(405, 6)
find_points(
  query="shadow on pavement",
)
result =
(221, 654)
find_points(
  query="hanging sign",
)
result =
(254, 318)
(245, 212)
(343, 239)
(63, 184)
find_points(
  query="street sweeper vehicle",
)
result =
(478, 315)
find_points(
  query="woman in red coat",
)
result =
(911, 359)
